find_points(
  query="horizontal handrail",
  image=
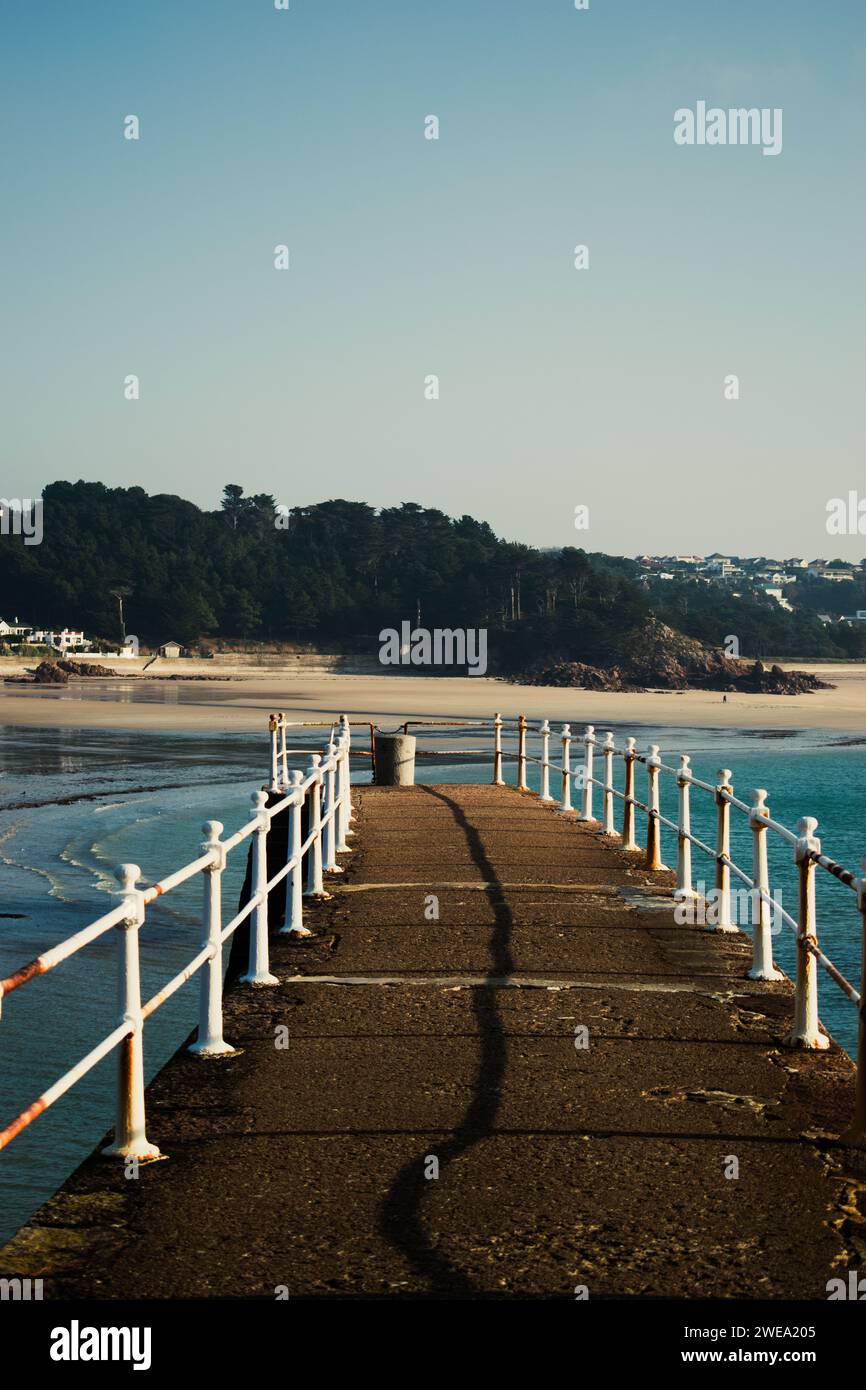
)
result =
(323, 794)
(49, 959)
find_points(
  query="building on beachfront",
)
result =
(67, 639)
(170, 649)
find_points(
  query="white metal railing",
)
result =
(326, 789)
(806, 847)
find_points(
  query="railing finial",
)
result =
(127, 876)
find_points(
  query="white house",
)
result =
(723, 566)
(170, 649)
(67, 640)
(777, 594)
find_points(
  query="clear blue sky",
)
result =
(412, 257)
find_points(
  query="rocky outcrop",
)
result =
(659, 658)
(58, 672)
(50, 673)
(575, 674)
(85, 668)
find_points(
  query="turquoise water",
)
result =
(143, 797)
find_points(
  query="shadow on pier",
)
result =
(401, 1219)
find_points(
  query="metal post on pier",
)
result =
(806, 1032)
(628, 839)
(210, 1041)
(348, 813)
(856, 1131)
(724, 791)
(294, 923)
(258, 971)
(284, 754)
(589, 744)
(272, 730)
(762, 939)
(684, 887)
(130, 1139)
(565, 799)
(315, 885)
(545, 761)
(653, 827)
(329, 827)
(608, 827)
(521, 753)
(497, 751)
(342, 823)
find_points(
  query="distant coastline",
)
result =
(238, 704)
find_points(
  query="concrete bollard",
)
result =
(395, 760)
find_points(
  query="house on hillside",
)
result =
(773, 592)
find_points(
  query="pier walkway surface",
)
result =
(414, 1043)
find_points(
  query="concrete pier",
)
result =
(500, 1068)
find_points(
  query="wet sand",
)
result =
(242, 702)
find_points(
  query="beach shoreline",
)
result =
(242, 702)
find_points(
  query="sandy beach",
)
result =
(251, 692)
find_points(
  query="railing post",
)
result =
(497, 751)
(762, 939)
(856, 1131)
(684, 888)
(272, 729)
(805, 1032)
(342, 789)
(565, 799)
(545, 761)
(608, 827)
(258, 971)
(210, 1041)
(294, 923)
(315, 886)
(521, 753)
(589, 744)
(329, 827)
(284, 754)
(130, 1139)
(723, 853)
(628, 839)
(653, 826)
(349, 814)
